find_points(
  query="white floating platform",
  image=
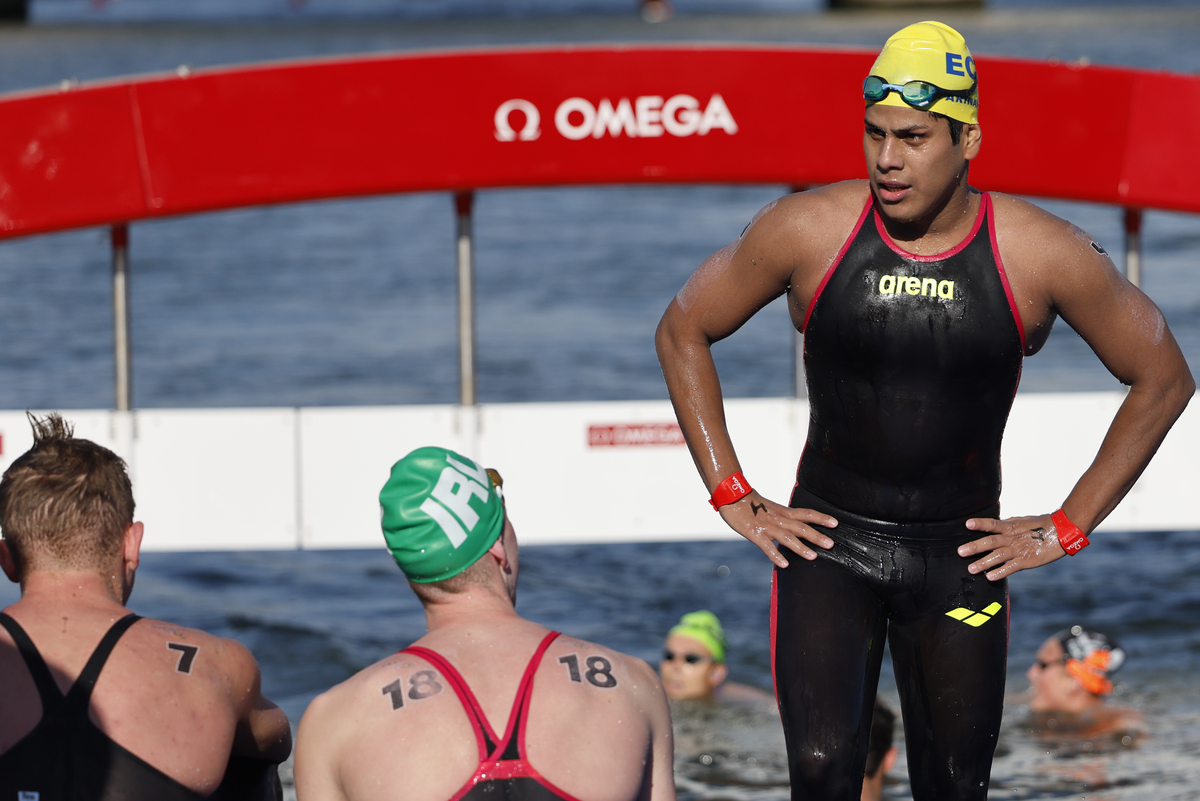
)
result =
(234, 479)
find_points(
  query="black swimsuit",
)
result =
(912, 365)
(66, 757)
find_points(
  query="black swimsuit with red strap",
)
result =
(504, 772)
(912, 363)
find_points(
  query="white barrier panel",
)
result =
(346, 455)
(225, 479)
(1050, 440)
(216, 479)
(612, 472)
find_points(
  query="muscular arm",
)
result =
(1128, 332)
(724, 292)
(1131, 337)
(262, 730)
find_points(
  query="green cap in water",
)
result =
(705, 628)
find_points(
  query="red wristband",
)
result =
(1070, 537)
(730, 490)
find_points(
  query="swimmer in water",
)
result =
(693, 666)
(486, 705)
(1069, 680)
(918, 297)
(881, 754)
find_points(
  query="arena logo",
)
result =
(645, 117)
(911, 285)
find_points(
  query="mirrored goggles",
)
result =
(918, 94)
(691, 659)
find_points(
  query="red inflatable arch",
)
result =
(113, 152)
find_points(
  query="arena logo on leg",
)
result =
(973, 618)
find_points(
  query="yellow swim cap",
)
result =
(934, 53)
(705, 628)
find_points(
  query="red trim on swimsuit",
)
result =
(774, 628)
(836, 261)
(984, 205)
(1012, 301)
(986, 211)
(492, 764)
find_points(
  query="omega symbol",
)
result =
(533, 119)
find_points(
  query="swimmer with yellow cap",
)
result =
(693, 664)
(918, 296)
(921, 126)
(928, 67)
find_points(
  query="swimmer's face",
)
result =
(912, 163)
(1052, 687)
(690, 673)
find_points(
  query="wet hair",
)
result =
(956, 126)
(883, 725)
(64, 503)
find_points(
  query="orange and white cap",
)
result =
(1091, 658)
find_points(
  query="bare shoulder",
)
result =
(196, 652)
(350, 709)
(1029, 235)
(398, 682)
(350, 699)
(587, 664)
(792, 242)
(812, 216)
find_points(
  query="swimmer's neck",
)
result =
(943, 227)
(74, 589)
(469, 609)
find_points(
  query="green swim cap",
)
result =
(705, 628)
(935, 53)
(440, 513)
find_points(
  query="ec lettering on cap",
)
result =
(957, 65)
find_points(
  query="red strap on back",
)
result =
(471, 704)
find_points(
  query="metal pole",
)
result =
(466, 300)
(1133, 246)
(121, 346)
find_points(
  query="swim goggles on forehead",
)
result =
(918, 94)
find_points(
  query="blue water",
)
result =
(351, 302)
(59, 11)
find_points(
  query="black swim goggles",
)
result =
(918, 94)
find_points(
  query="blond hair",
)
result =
(66, 502)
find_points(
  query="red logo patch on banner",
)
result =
(625, 435)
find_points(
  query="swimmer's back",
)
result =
(403, 732)
(170, 695)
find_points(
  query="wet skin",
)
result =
(918, 179)
(918, 174)
(1051, 687)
